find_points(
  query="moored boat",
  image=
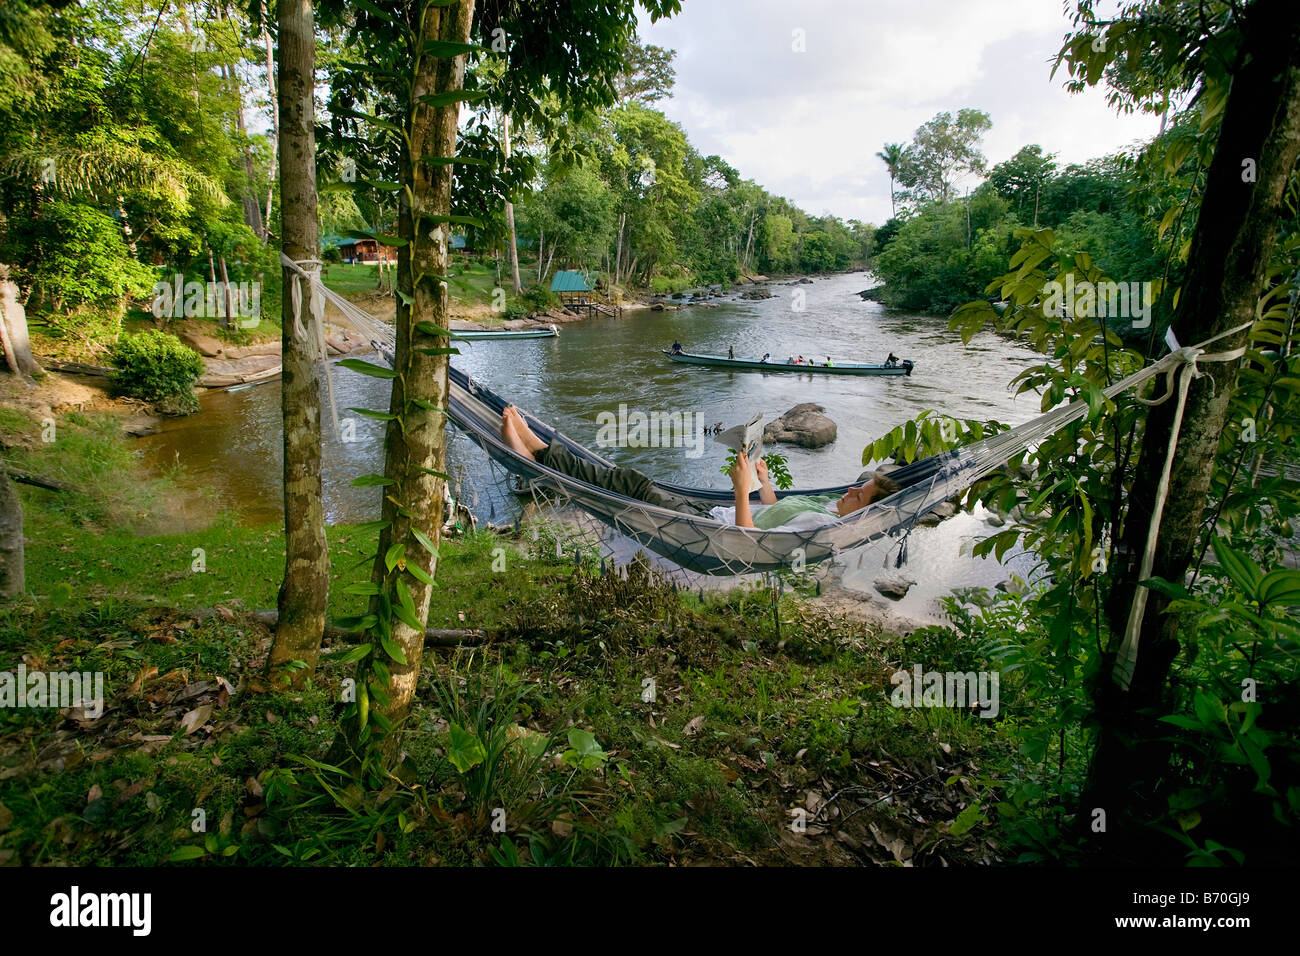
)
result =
(491, 334)
(756, 365)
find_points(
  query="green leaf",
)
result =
(1280, 587)
(421, 537)
(454, 220)
(371, 526)
(368, 368)
(396, 555)
(372, 481)
(428, 328)
(360, 622)
(449, 160)
(405, 609)
(394, 241)
(392, 648)
(453, 96)
(1244, 572)
(465, 751)
(1211, 712)
(360, 652)
(362, 587)
(419, 574)
(183, 853)
(376, 415)
(449, 48)
(374, 11)
(968, 818)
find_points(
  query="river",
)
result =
(232, 447)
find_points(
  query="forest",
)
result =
(431, 689)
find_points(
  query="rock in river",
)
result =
(895, 584)
(802, 425)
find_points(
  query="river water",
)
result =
(232, 447)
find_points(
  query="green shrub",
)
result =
(157, 367)
(74, 254)
(540, 299)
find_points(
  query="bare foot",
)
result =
(511, 437)
(526, 435)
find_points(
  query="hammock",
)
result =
(709, 546)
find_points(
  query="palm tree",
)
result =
(892, 156)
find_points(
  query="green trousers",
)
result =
(621, 481)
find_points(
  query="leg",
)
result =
(525, 434)
(621, 481)
(511, 437)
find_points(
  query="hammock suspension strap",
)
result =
(1126, 659)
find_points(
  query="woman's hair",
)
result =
(885, 485)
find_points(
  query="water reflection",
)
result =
(234, 444)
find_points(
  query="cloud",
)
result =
(807, 125)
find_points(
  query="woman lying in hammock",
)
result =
(792, 513)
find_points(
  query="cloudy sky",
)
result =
(807, 125)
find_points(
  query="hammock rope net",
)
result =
(708, 546)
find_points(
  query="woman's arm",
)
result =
(766, 494)
(740, 482)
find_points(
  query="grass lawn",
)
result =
(617, 720)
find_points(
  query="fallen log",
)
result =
(75, 368)
(433, 637)
(40, 481)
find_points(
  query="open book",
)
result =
(749, 439)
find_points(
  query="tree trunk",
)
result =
(13, 316)
(1226, 273)
(252, 209)
(11, 358)
(744, 260)
(541, 239)
(305, 588)
(227, 302)
(510, 213)
(618, 250)
(415, 450)
(12, 575)
(275, 123)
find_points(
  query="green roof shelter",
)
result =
(568, 281)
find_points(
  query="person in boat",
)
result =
(792, 513)
(677, 347)
(829, 363)
(892, 361)
(731, 352)
(799, 360)
(790, 360)
(766, 356)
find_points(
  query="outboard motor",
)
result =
(907, 364)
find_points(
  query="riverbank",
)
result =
(706, 744)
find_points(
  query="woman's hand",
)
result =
(766, 494)
(740, 472)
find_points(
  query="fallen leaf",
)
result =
(196, 718)
(693, 726)
(144, 675)
(96, 793)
